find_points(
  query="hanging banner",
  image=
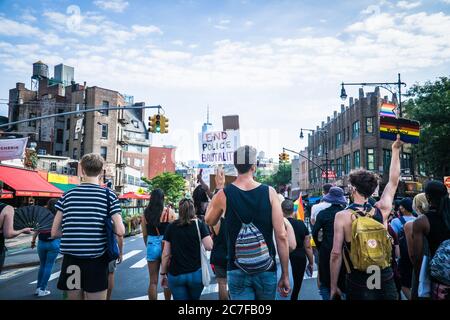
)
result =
(57, 178)
(218, 147)
(11, 149)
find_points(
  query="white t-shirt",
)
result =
(317, 208)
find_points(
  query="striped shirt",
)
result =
(84, 210)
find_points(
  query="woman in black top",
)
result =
(7, 229)
(155, 220)
(435, 227)
(301, 252)
(219, 257)
(48, 250)
(182, 246)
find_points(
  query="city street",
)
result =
(131, 279)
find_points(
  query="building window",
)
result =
(75, 153)
(339, 167)
(406, 163)
(105, 104)
(59, 136)
(32, 123)
(356, 159)
(369, 125)
(355, 130)
(138, 162)
(135, 123)
(130, 180)
(370, 156)
(331, 165)
(319, 153)
(67, 145)
(347, 165)
(68, 124)
(104, 131)
(104, 152)
(338, 139)
(387, 156)
(348, 133)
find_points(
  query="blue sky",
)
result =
(277, 64)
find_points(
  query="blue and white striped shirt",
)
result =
(84, 210)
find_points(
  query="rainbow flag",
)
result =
(388, 110)
(409, 130)
(298, 208)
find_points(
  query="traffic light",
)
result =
(281, 157)
(286, 157)
(164, 124)
(151, 124)
(157, 128)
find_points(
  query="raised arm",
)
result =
(56, 227)
(386, 199)
(8, 224)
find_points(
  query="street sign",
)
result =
(447, 182)
(406, 178)
(331, 174)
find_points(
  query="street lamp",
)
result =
(384, 85)
(325, 132)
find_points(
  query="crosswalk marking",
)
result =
(140, 264)
(12, 273)
(130, 254)
(52, 277)
(212, 288)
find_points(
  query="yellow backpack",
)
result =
(371, 244)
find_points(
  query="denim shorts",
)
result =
(243, 286)
(154, 248)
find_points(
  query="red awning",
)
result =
(132, 195)
(5, 194)
(28, 183)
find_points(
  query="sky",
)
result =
(277, 64)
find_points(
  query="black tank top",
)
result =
(2, 236)
(160, 229)
(252, 206)
(219, 251)
(438, 231)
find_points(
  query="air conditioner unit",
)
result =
(53, 166)
(65, 170)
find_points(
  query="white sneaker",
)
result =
(37, 291)
(43, 293)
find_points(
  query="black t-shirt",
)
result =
(301, 231)
(185, 246)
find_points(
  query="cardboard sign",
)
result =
(217, 147)
(212, 181)
(409, 130)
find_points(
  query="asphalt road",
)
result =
(131, 279)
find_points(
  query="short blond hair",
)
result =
(420, 203)
(92, 164)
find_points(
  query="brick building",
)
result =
(351, 139)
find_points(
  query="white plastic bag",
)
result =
(424, 289)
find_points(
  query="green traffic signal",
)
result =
(158, 123)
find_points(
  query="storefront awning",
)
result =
(27, 183)
(5, 194)
(133, 195)
(64, 187)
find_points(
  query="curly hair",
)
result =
(364, 181)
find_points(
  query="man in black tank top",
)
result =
(363, 185)
(246, 201)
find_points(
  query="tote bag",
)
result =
(424, 289)
(206, 277)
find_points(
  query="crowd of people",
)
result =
(364, 249)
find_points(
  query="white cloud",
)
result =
(112, 5)
(220, 27)
(178, 43)
(224, 21)
(28, 17)
(249, 23)
(13, 28)
(146, 29)
(408, 5)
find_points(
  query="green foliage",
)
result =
(172, 184)
(277, 179)
(430, 105)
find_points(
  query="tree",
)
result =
(430, 105)
(172, 184)
(280, 178)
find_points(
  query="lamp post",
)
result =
(384, 85)
(325, 132)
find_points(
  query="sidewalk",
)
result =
(19, 254)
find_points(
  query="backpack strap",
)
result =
(402, 220)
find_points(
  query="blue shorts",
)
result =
(154, 248)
